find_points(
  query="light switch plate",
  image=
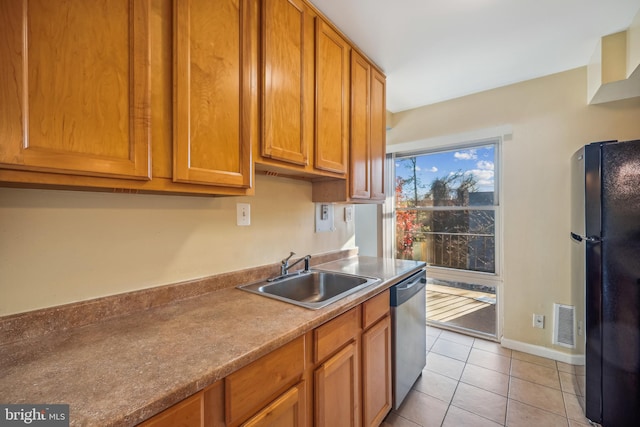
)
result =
(243, 214)
(348, 213)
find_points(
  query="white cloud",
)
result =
(466, 155)
(484, 177)
(433, 169)
(485, 165)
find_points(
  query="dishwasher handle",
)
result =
(404, 290)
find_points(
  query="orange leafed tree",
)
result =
(406, 226)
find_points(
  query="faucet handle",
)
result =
(286, 260)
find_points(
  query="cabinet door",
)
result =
(378, 111)
(188, 413)
(74, 84)
(332, 102)
(214, 64)
(376, 372)
(337, 389)
(359, 148)
(287, 55)
(288, 410)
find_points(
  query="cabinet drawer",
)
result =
(329, 337)
(188, 413)
(253, 386)
(374, 309)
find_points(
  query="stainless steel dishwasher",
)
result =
(409, 333)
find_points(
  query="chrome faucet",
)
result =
(284, 266)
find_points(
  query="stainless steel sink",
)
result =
(312, 289)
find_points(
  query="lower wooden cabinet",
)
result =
(288, 410)
(376, 359)
(203, 409)
(337, 389)
(256, 387)
(188, 413)
(344, 381)
(376, 373)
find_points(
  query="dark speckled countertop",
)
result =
(124, 370)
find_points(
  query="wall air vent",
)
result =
(564, 332)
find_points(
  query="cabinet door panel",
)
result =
(376, 372)
(213, 71)
(288, 410)
(378, 134)
(74, 82)
(332, 102)
(337, 389)
(288, 81)
(359, 148)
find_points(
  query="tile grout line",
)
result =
(509, 400)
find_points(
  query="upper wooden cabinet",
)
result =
(332, 103)
(185, 97)
(214, 92)
(367, 143)
(368, 130)
(287, 66)
(378, 147)
(360, 148)
(305, 77)
(132, 96)
(74, 84)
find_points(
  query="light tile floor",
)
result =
(473, 382)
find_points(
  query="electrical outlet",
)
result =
(580, 327)
(324, 212)
(538, 321)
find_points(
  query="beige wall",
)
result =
(550, 121)
(63, 246)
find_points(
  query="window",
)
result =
(446, 214)
(446, 208)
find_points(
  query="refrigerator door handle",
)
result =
(590, 239)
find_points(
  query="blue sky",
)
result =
(477, 161)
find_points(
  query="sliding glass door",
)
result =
(447, 214)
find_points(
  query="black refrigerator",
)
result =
(610, 242)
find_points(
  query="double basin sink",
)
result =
(311, 289)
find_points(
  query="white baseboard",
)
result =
(549, 353)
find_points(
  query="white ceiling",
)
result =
(435, 50)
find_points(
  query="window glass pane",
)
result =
(445, 208)
(463, 177)
(461, 304)
(462, 239)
